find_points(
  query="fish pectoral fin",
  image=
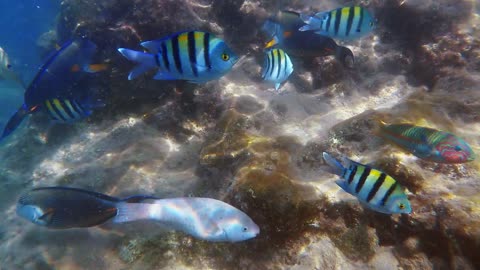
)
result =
(277, 86)
(424, 150)
(47, 216)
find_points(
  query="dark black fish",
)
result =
(65, 207)
(283, 28)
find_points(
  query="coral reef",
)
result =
(237, 141)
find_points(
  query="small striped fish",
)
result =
(277, 67)
(427, 143)
(342, 23)
(193, 56)
(373, 188)
(66, 111)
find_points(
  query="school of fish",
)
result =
(198, 57)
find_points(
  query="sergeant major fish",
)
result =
(203, 218)
(427, 143)
(55, 90)
(283, 29)
(342, 23)
(194, 56)
(277, 67)
(373, 188)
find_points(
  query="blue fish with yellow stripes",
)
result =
(373, 188)
(343, 23)
(193, 56)
(56, 87)
(283, 30)
(277, 67)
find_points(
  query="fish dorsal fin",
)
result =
(154, 46)
(139, 198)
(92, 193)
(348, 162)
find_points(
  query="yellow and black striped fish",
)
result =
(65, 110)
(342, 23)
(373, 188)
(193, 56)
(277, 67)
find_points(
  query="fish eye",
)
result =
(9, 66)
(245, 229)
(225, 57)
(401, 206)
(458, 148)
(371, 24)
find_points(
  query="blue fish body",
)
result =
(345, 23)
(193, 56)
(54, 89)
(373, 188)
(277, 67)
(284, 30)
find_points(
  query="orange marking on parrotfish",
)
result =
(97, 67)
(75, 68)
(33, 108)
(287, 34)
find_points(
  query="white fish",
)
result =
(6, 71)
(202, 218)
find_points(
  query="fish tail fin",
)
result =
(311, 22)
(15, 121)
(345, 56)
(145, 61)
(335, 165)
(128, 212)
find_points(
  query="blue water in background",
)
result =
(22, 22)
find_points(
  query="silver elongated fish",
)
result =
(202, 218)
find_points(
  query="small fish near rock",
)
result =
(373, 188)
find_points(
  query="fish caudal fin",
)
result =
(311, 23)
(145, 62)
(336, 166)
(15, 121)
(345, 56)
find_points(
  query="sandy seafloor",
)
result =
(237, 140)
